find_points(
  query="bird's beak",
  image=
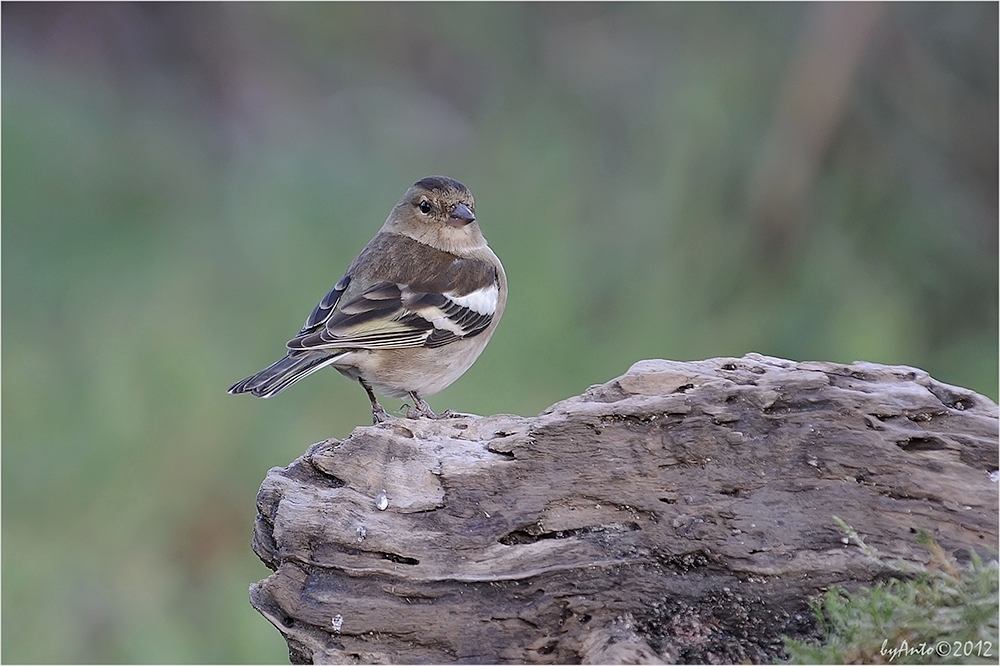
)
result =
(461, 216)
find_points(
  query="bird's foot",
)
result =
(422, 409)
(412, 413)
(417, 412)
(379, 415)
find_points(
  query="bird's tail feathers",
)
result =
(282, 373)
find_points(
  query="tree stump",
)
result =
(682, 512)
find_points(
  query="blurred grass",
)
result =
(181, 184)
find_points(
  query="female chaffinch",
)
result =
(413, 311)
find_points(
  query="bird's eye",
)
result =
(425, 207)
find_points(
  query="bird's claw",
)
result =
(417, 412)
(412, 413)
(380, 416)
(422, 409)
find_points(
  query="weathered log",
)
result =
(682, 512)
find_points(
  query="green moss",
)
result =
(942, 614)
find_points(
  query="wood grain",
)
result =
(682, 512)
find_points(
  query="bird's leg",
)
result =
(423, 409)
(379, 415)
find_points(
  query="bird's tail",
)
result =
(283, 373)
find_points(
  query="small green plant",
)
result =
(939, 614)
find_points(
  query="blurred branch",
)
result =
(809, 107)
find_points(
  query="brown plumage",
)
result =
(412, 312)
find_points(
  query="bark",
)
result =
(682, 512)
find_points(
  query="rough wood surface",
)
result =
(682, 512)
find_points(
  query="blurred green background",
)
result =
(181, 183)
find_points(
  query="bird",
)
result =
(413, 311)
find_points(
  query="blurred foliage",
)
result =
(182, 182)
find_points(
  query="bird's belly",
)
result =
(424, 371)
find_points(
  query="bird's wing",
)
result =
(321, 313)
(392, 315)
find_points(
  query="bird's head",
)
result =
(440, 212)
